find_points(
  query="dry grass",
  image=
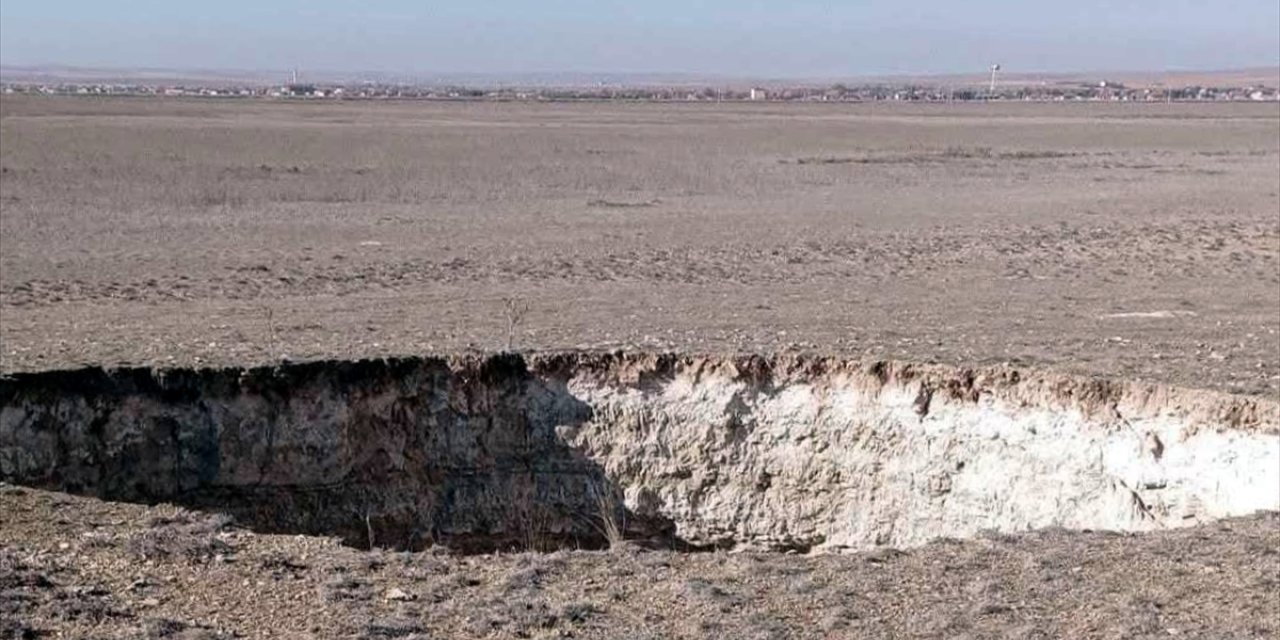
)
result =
(612, 517)
(516, 311)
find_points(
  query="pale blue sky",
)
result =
(798, 38)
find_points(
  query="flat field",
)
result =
(1128, 240)
(1120, 240)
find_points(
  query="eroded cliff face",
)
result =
(787, 452)
(823, 454)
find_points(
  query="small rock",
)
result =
(398, 595)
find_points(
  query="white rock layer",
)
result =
(845, 465)
(786, 452)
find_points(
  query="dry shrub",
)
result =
(515, 311)
(610, 513)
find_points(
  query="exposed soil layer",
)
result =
(82, 568)
(784, 453)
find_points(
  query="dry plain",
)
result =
(1113, 241)
(1138, 241)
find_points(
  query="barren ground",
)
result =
(1139, 241)
(103, 570)
(1130, 241)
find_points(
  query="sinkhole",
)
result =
(695, 452)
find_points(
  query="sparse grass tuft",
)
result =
(515, 311)
(612, 517)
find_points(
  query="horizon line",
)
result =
(320, 75)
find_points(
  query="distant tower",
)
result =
(994, 69)
(295, 76)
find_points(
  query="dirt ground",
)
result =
(82, 568)
(1140, 241)
(1130, 241)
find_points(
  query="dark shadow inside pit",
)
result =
(402, 453)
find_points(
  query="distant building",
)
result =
(759, 94)
(300, 89)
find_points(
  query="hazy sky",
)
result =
(736, 37)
